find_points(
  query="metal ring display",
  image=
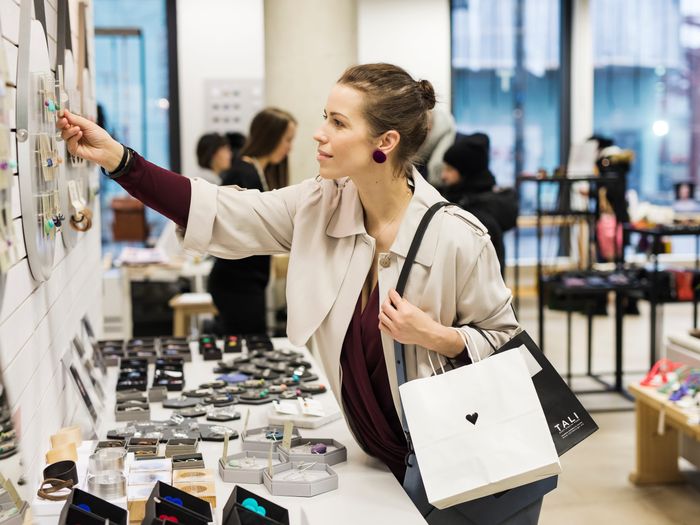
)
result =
(106, 459)
(109, 484)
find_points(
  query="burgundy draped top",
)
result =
(366, 393)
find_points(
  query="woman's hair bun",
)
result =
(427, 93)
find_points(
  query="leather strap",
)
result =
(52, 485)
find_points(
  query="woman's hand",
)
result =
(408, 324)
(87, 140)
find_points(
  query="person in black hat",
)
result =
(469, 183)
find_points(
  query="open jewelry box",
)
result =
(327, 451)
(259, 439)
(300, 479)
(246, 467)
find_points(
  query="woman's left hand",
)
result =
(405, 322)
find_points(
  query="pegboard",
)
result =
(74, 187)
(38, 156)
(232, 103)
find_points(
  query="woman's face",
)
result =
(285, 145)
(450, 176)
(221, 161)
(344, 143)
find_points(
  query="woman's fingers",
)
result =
(73, 142)
(70, 132)
(395, 297)
(386, 320)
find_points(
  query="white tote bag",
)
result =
(478, 430)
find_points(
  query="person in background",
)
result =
(238, 286)
(442, 132)
(236, 140)
(214, 155)
(469, 183)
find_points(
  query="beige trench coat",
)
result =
(455, 279)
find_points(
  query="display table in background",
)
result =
(657, 453)
(367, 491)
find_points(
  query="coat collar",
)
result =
(348, 218)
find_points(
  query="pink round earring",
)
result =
(379, 156)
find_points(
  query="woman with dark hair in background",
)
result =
(238, 286)
(213, 154)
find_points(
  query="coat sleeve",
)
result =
(484, 312)
(231, 223)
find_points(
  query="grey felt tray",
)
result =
(336, 452)
(256, 441)
(252, 474)
(132, 415)
(320, 478)
(157, 393)
(176, 446)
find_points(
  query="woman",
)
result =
(347, 232)
(237, 286)
(214, 155)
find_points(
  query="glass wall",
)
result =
(505, 81)
(131, 62)
(647, 88)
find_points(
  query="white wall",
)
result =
(225, 39)
(38, 320)
(217, 39)
(302, 62)
(413, 34)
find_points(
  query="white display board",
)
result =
(38, 157)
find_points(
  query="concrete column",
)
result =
(582, 72)
(308, 44)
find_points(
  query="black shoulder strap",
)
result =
(415, 244)
(403, 278)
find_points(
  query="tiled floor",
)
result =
(594, 486)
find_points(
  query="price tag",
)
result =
(224, 454)
(311, 407)
(285, 407)
(269, 459)
(245, 424)
(74, 194)
(287, 435)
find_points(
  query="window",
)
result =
(132, 81)
(647, 88)
(505, 81)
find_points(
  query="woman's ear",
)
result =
(389, 141)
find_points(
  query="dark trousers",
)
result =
(240, 300)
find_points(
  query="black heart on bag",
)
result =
(473, 417)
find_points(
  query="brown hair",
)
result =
(393, 100)
(266, 131)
